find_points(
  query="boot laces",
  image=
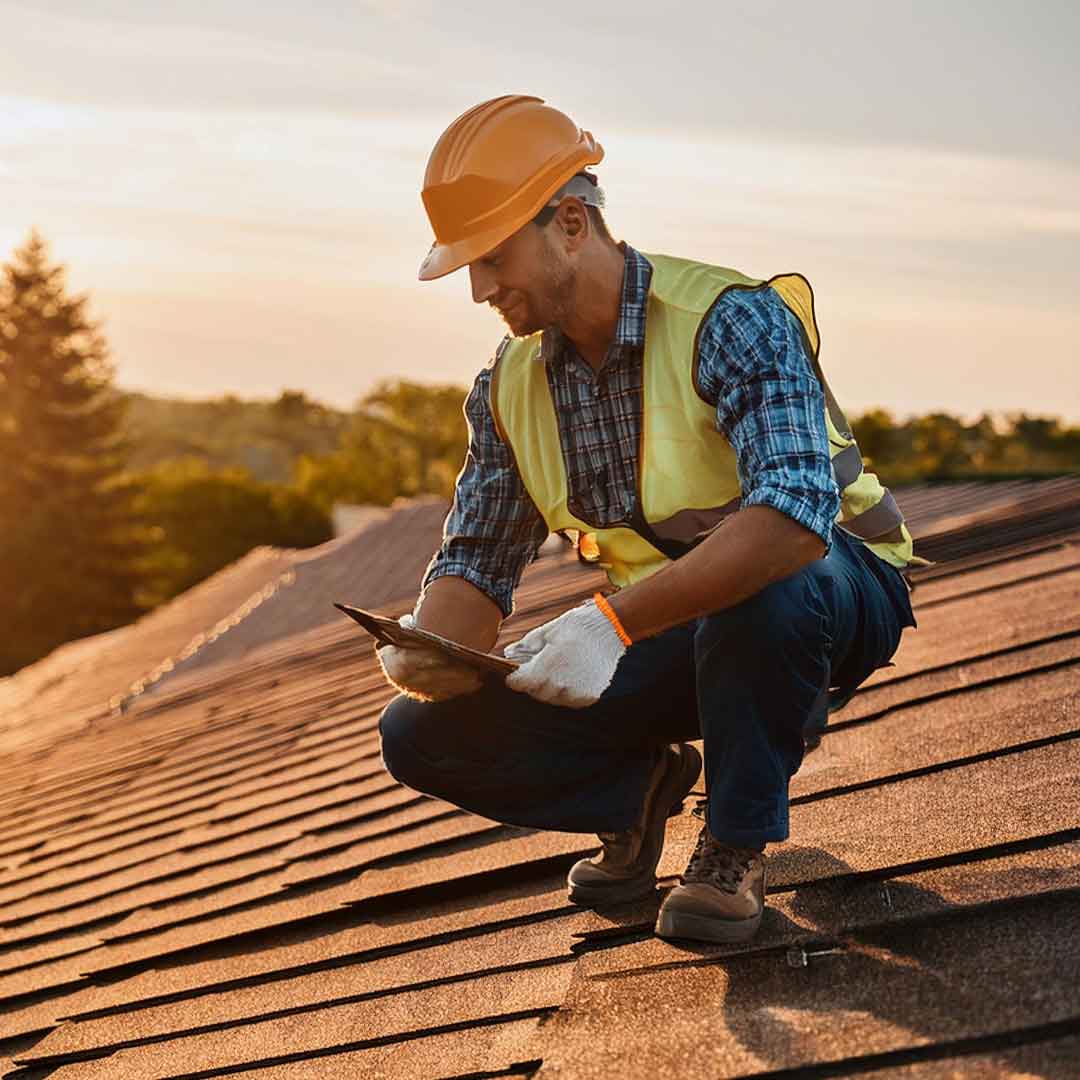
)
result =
(714, 863)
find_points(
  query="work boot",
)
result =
(721, 895)
(626, 867)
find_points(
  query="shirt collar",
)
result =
(633, 304)
(630, 329)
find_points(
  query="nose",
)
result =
(482, 279)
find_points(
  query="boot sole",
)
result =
(620, 892)
(689, 927)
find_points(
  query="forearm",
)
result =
(755, 547)
(456, 609)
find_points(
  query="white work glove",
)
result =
(426, 674)
(568, 661)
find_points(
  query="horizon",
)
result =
(899, 418)
(238, 189)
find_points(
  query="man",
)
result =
(672, 414)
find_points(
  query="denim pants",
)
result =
(754, 681)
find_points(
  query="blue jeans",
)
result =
(755, 681)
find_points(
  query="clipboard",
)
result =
(388, 631)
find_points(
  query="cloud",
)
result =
(189, 162)
(989, 76)
(154, 61)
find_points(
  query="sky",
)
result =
(236, 184)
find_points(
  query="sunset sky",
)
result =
(236, 184)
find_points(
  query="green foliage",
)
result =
(264, 437)
(428, 426)
(938, 446)
(405, 439)
(203, 519)
(69, 541)
(364, 470)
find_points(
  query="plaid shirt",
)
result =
(752, 366)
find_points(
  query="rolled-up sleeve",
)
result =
(753, 366)
(493, 529)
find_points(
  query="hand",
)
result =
(426, 674)
(568, 661)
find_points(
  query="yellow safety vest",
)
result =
(688, 481)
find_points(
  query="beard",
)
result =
(547, 306)
(560, 287)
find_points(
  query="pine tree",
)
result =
(69, 543)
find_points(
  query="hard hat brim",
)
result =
(444, 259)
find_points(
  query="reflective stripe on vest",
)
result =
(687, 475)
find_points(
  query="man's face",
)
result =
(526, 279)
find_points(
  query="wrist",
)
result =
(612, 617)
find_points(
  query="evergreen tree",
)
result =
(69, 544)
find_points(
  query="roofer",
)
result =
(673, 415)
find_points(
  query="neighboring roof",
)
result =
(954, 519)
(75, 682)
(937, 507)
(268, 594)
(380, 562)
(224, 881)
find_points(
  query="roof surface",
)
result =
(222, 880)
(269, 594)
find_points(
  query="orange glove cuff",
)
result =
(601, 602)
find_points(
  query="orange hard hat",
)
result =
(494, 169)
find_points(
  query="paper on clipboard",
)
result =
(389, 631)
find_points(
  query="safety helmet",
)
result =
(494, 169)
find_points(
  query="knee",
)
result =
(782, 613)
(400, 727)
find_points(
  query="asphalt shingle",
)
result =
(224, 877)
(882, 988)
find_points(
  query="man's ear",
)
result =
(573, 220)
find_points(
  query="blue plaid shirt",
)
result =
(752, 366)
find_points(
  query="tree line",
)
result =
(112, 503)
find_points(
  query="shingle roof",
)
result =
(223, 880)
(75, 682)
(269, 594)
(380, 562)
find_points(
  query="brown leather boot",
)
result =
(626, 867)
(721, 897)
